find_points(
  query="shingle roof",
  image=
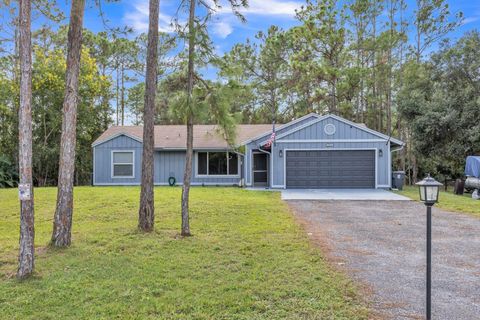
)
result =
(174, 136)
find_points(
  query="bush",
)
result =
(8, 173)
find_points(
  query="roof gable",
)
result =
(344, 130)
(103, 139)
(285, 127)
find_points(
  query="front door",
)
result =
(260, 169)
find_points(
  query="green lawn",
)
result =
(247, 260)
(449, 201)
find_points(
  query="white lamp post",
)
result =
(429, 190)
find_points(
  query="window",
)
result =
(122, 164)
(217, 163)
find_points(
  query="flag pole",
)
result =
(273, 123)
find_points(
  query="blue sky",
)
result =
(227, 30)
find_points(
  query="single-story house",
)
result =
(310, 152)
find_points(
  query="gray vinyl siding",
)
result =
(103, 160)
(169, 164)
(166, 164)
(303, 139)
(172, 164)
(343, 131)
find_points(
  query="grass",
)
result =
(449, 201)
(247, 260)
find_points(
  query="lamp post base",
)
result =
(429, 263)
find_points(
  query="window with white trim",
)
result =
(217, 163)
(122, 164)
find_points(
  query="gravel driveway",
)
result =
(382, 245)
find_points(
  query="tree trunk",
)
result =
(123, 96)
(26, 261)
(62, 223)
(189, 154)
(374, 68)
(117, 100)
(186, 178)
(357, 64)
(402, 137)
(146, 212)
(400, 130)
(390, 66)
(418, 32)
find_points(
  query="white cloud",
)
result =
(470, 20)
(225, 19)
(268, 7)
(137, 18)
(222, 29)
(273, 7)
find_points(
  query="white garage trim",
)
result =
(285, 151)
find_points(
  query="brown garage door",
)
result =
(317, 169)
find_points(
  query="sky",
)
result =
(226, 29)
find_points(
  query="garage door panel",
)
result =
(330, 169)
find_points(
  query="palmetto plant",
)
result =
(8, 174)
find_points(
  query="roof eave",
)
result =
(280, 128)
(98, 142)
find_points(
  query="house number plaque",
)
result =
(24, 192)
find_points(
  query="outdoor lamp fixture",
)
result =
(380, 153)
(280, 153)
(429, 189)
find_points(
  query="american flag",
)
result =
(270, 141)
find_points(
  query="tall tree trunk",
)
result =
(146, 213)
(400, 129)
(334, 96)
(391, 45)
(123, 96)
(374, 67)
(189, 154)
(357, 64)
(117, 100)
(362, 87)
(62, 223)
(26, 259)
(401, 136)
